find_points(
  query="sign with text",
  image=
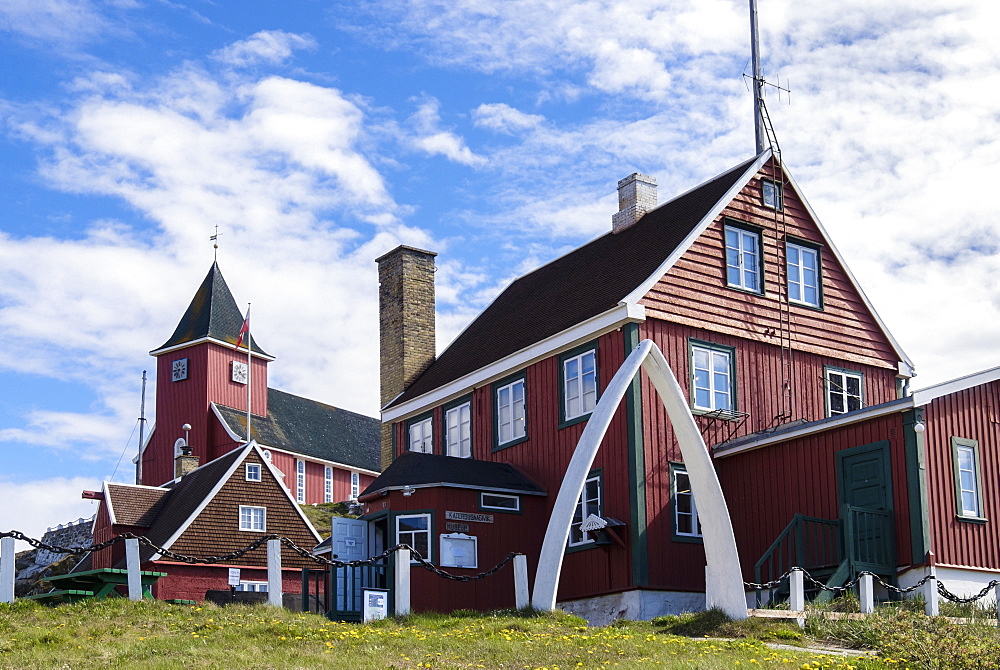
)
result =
(375, 604)
(469, 516)
(453, 527)
(234, 576)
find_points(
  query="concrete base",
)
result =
(963, 582)
(636, 605)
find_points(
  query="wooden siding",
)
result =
(216, 530)
(766, 487)
(973, 414)
(694, 291)
(191, 582)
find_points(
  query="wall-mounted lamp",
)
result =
(919, 427)
(408, 490)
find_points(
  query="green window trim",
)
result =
(816, 249)
(675, 535)
(575, 352)
(777, 194)
(484, 507)
(454, 404)
(394, 529)
(695, 346)
(597, 475)
(960, 445)
(495, 388)
(740, 283)
(845, 390)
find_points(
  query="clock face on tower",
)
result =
(179, 370)
(239, 372)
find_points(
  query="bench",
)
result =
(61, 596)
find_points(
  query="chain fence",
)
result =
(257, 544)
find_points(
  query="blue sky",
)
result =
(318, 135)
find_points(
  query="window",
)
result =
(589, 503)
(458, 430)
(253, 472)
(686, 521)
(499, 501)
(803, 274)
(510, 417)
(579, 384)
(421, 435)
(328, 484)
(260, 587)
(300, 481)
(253, 518)
(843, 391)
(968, 478)
(743, 259)
(267, 455)
(771, 194)
(712, 377)
(415, 530)
(355, 485)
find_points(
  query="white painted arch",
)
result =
(723, 577)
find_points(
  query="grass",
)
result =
(321, 514)
(121, 634)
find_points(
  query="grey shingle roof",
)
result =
(212, 313)
(415, 469)
(135, 505)
(311, 428)
(582, 284)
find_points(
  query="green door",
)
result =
(865, 481)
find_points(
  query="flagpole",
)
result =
(249, 370)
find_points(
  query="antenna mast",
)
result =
(142, 430)
(758, 80)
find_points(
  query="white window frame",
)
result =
(355, 485)
(458, 430)
(483, 504)
(579, 387)
(743, 250)
(706, 378)
(803, 278)
(777, 196)
(328, 484)
(421, 435)
(253, 472)
(838, 388)
(968, 479)
(300, 480)
(511, 412)
(255, 587)
(253, 519)
(681, 491)
(407, 536)
(590, 502)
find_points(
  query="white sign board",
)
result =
(375, 604)
(234, 576)
(459, 551)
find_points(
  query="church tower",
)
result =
(197, 366)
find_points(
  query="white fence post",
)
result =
(274, 573)
(6, 570)
(134, 573)
(867, 595)
(931, 597)
(402, 582)
(797, 595)
(996, 594)
(520, 581)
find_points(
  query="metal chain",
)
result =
(849, 585)
(945, 593)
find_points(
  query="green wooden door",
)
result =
(865, 481)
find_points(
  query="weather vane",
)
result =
(215, 242)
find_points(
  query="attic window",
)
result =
(253, 472)
(771, 194)
(253, 518)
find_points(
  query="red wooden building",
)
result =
(765, 327)
(211, 510)
(324, 454)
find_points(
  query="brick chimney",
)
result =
(406, 324)
(184, 463)
(636, 196)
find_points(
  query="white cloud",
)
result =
(44, 503)
(54, 22)
(267, 46)
(430, 138)
(504, 118)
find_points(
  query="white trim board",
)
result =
(212, 340)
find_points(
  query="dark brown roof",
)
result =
(311, 428)
(212, 313)
(135, 505)
(416, 469)
(582, 284)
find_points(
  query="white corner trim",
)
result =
(819, 426)
(682, 248)
(212, 340)
(582, 332)
(850, 275)
(273, 469)
(229, 431)
(110, 506)
(207, 499)
(926, 395)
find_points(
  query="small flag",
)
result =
(244, 329)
